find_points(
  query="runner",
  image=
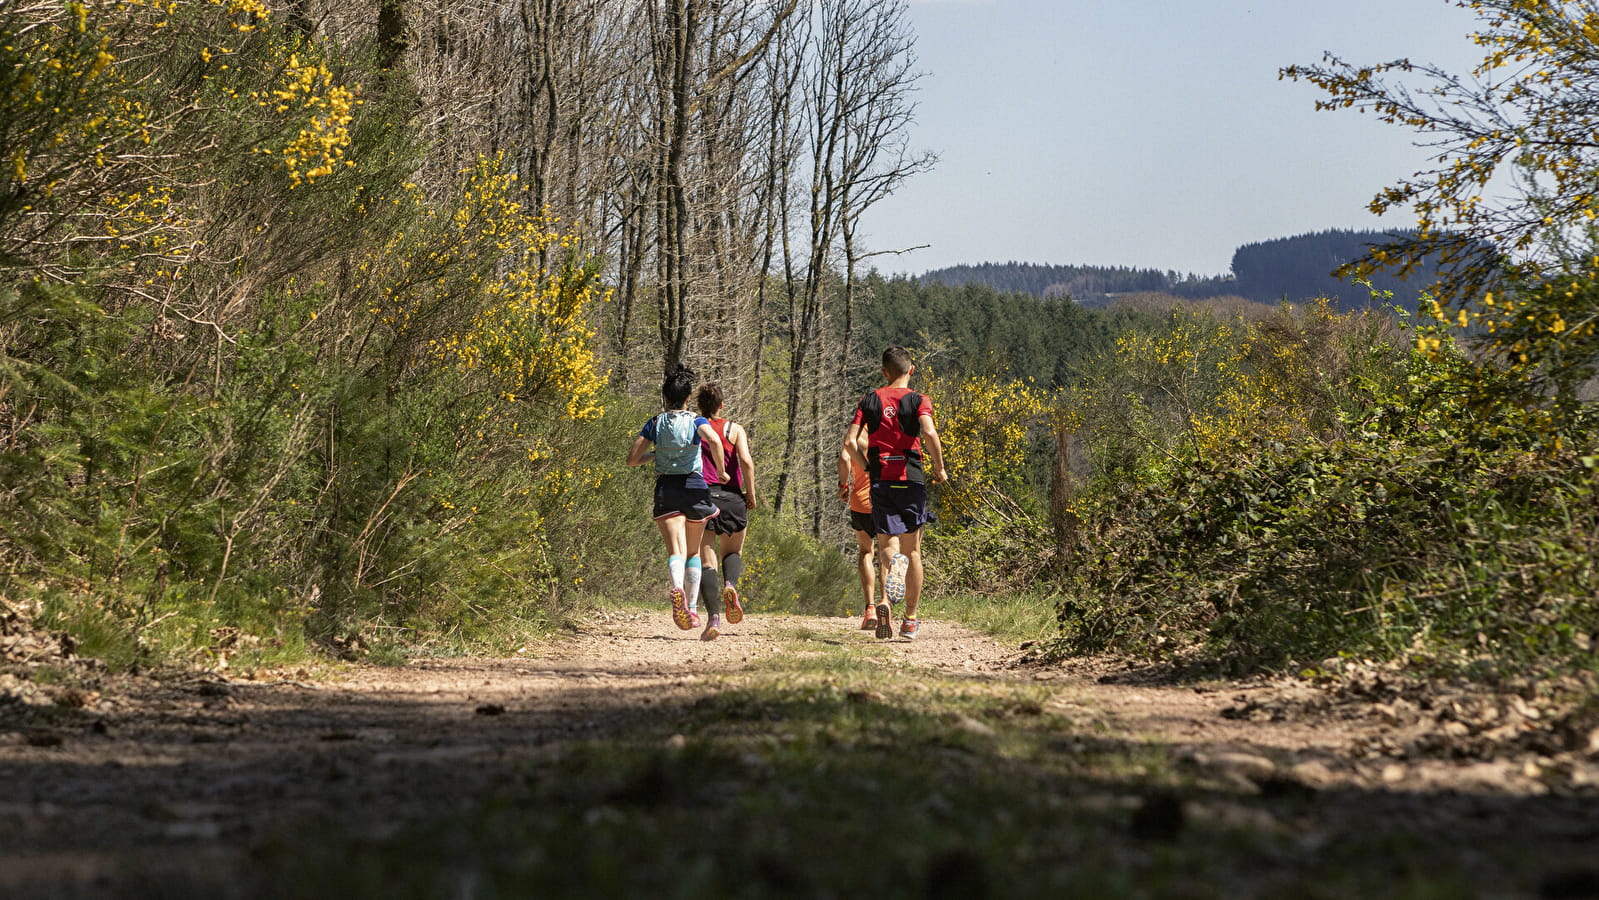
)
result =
(733, 492)
(894, 422)
(855, 487)
(682, 498)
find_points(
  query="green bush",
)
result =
(258, 390)
(788, 571)
(1460, 534)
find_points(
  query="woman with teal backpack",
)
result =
(682, 497)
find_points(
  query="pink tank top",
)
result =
(735, 474)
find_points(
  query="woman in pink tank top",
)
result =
(733, 492)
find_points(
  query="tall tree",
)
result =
(860, 75)
(1513, 196)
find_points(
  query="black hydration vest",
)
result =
(892, 465)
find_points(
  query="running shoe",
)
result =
(894, 581)
(680, 613)
(885, 621)
(693, 618)
(907, 629)
(870, 622)
(712, 628)
(735, 606)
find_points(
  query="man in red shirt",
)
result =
(895, 424)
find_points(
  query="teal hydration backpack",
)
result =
(675, 450)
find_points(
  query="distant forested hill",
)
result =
(1291, 268)
(975, 329)
(1081, 283)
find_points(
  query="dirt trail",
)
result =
(175, 784)
(206, 763)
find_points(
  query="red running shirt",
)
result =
(889, 444)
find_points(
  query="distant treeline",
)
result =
(975, 329)
(1292, 268)
(1081, 283)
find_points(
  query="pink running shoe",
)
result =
(734, 604)
(712, 628)
(680, 614)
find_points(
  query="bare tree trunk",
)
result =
(1063, 517)
(679, 137)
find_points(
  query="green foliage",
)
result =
(596, 512)
(998, 554)
(1459, 534)
(786, 570)
(973, 330)
(256, 387)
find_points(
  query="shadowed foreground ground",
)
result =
(793, 757)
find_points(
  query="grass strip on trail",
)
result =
(833, 767)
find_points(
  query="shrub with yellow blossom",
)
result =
(1521, 268)
(984, 423)
(496, 292)
(308, 96)
(1291, 376)
(304, 343)
(1141, 402)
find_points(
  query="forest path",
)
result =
(439, 778)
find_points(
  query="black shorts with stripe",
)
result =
(899, 507)
(683, 495)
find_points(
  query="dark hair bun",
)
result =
(679, 383)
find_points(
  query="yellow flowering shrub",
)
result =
(307, 93)
(983, 423)
(1139, 407)
(1273, 388)
(1206, 391)
(530, 338)
(1509, 200)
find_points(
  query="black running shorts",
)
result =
(899, 507)
(862, 522)
(733, 514)
(675, 498)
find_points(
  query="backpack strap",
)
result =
(871, 407)
(909, 421)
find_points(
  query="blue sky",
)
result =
(1149, 134)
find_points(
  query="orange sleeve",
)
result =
(860, 497)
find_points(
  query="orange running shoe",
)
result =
(680, 609)
(869, 623)
(733, 603)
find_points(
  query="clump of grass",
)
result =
(1013, 618)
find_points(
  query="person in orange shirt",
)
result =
(854, 486)
(894, 424)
